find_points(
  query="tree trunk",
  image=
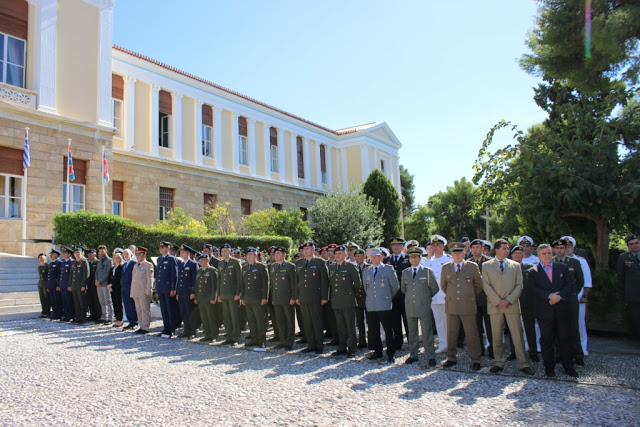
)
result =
(602, 244)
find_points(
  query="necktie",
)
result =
(306, 264)
(549, 274)
(414, 272)
(375, 271)
(502, 266)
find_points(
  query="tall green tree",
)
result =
(407, 187)
(343, 217)
(417, 225)
(386, 199)
(562, 48)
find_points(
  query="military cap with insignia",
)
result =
(397, 241)
(411, 244)
(487, 244)
(516, 248)
(175, 246)
(436, 238)
(54, 251)
(414, 251)
(341, 248)
(322, 249)
(141, 250)
(215, 250)
(271, 249)
(78, 249)
(569, 239)
(360, 251)
(375, 251)
(476, 242)
(202, 256)
(309, 244)
(352, 245)
(558, 242)
(184, 247)
(456, 247)
(631, 237)
(42, 254)
(527, 238)
(91, 251)
(332, 246)
(237, 251)
(426, 245)
(118, 250)
(208, 246)
(249, 250)
(385, 251)
(464, 240)
(226, 246)
(369, 246)
(165, 244)
(280, 249)
(68, 250)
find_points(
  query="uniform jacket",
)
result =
(361, 300)
(418, 291)
(527, 296)
(54, 273)
(344, 285)
(575, 269)
(436, 264)
(43, 275)
(167, 274)
(542, 288)
(102, 272)
(380, 289)
(313, 280)
(629, 274)
(79, 275)
(65, 273)
(461, 288)
(230, 282)
(499, 285)
(187, 272)
(141, 279)
(481, 298)
(255, 283)
(93, 266)
(398, 265)
(206, 285)
(284, 282)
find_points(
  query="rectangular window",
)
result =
(277, 206)
(243, 142)
(117, 195)
(10, 196)
(207, 131)
(245, 207)
(12, 60)
(210, 201)
(76, 197)
(118, 208)
(273, 141)
(117, 115)
(300, 151)
(163, 132)
(305, 215)
(166, 201)
(323, 163)
(382, 166)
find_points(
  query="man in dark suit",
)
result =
(399, 261)
(526, 303)
(553, 285)
(629, 274)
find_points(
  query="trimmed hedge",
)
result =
(90, 230)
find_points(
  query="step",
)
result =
(18, 288)
(18, 261)
(17, 282)
(17, 275)
(23, 308)
(13, 302)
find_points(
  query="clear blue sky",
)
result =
(440, 74)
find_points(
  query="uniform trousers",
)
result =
(360, 322)
(231, 314)
(80, 305)
(56, 302)
(255, 316)
(312, 321)
(286, 322)
(483, 321)
(43, 293)
(93, 302)
(208, 318)
(426, 325)
(67, 303)
(515, 332)
(105, 303)
(374, 319)
(529, 322)
(471, 332)
(399, 318)
(129, 305)
(186, 308)
(346, 326)
(143, 311)
(166, 308)
(440, 317)
(300, 320)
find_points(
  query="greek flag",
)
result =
(26, 158)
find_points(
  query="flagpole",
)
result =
(103, 203)
(24, 204)
(68, 192)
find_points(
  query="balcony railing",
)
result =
(17, 95)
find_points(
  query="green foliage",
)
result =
(559, 44)
(181, 223)
(407, 187)
(343, 217)
(281, 223)
(417, 225)
(607, 308)
(90, 230)
(217, 220)
(386, 199)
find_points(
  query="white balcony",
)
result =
(17, 95)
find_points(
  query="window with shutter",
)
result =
(300, 151)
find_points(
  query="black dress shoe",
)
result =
(301, 341)
(432, 362)
(495, 369)
(308, 350)
(571, 372)
(374, 356)
(228, 342)
(249, 344)
(512, 356)
(339, 353)
(319, 350)
(351, 354)
(476, 366)
(205, 339)
(580, 362)
(410, 360)
(527, 371)
(362, 345)
(534, 357)
(550, 372)
(287, 347)
(449, 363)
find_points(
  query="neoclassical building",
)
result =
(171, 139)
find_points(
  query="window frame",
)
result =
(82, 205)
(275, 166)
(119, 203)
(163, 210)
(162, 117)
(207, 147)
(243, 150)
(4, 214)
(117, 118)
(4, 62)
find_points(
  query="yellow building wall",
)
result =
(142, 117)
(372, 163)
(189, 143)
(227, 140)
(260, 148)
(77, 60)
(354, 164)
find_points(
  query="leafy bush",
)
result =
(218, 220)
(282, 223)
(89, 230)
(179, 222)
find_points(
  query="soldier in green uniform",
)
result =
(361, 308)
(229, 293)
(254, 295)
(628, 269)
(78, 285)
(284, 292)
(206, 289)
(43, 279)
(313, 293)
(345, 286)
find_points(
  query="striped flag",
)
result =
(26, 158)
(105, 167)
(72, 175)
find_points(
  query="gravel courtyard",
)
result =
(61, 374)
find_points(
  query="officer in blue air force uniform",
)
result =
(52, 285)
(166, 280)
(186, 290)
(63, 285)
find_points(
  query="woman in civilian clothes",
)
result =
(115, 287)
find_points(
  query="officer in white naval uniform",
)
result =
(435, 263)
(583, 294)
(527, 243)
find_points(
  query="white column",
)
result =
(267, 151)
(235, 142)
(251, 137)
(366, 166)
(327, 158)
(318, 165)
(44, 71)
(307, 162)
(294, 166)
(155, 112)
(176, 128)
(199, 104)
(345, 170)
(282, 165)
(105, 111)
(217, 113)
(376, 160)
(130, 112)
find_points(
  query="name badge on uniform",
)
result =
(166, 262)
(186, 268)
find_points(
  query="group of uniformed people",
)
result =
(333, 291)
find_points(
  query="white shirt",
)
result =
(436, 264)
(586, 273)
(531, 259)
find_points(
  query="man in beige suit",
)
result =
(502, 282)
(460, 280)
(141, 282)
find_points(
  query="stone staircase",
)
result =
(18, 287)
